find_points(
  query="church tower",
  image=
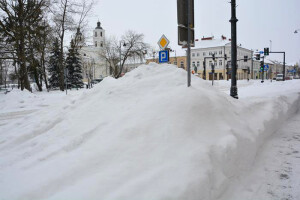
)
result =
(99, 36)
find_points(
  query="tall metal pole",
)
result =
(189, 46)
(204, 70)
(252, 65)
(263, 71)
(283, 66)
(233, 20)
(227, 71)
(213, 73)
(120, 53)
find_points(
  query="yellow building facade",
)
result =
(179, 61)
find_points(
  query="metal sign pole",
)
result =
(189, 46)
(213, 74)
(283, 66)
(233, 20)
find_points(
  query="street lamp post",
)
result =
(233, 20)
(124, 45)
(252, 74)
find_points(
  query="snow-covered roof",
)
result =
(211, 43)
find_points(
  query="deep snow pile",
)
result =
(144, 136)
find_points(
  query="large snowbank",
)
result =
(144, 136)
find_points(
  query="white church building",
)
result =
(94, 67)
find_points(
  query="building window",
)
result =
(210, 53)
(193, 54)
(198, 63)
(198, 54)
(193, 64)
(101, 34)
(220, 62)
(204, 54)
(101, 44)
(220, 52)
(182, 64)
(95, 44)
(95, 34)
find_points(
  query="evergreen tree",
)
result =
(53, 67)
(74, 67)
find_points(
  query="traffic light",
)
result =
(225, 56)
(213, 57)
(245, 58)
(257, 56)
(182, 21)
(261, 66)
(266, 51)
(182, 13)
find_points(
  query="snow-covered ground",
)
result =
(146, 136)
(276, 170)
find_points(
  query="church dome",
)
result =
(98, 25)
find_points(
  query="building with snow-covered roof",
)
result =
(202, 53)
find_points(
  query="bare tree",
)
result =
(4, 71)
(111, 54)
(84, 8)
(134, 47)
(18, 17)
(45, 40)
(64, 12)
(130, 47)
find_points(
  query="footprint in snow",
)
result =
(284, 176)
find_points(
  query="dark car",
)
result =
(97, 80)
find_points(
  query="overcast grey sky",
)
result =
(259, 22)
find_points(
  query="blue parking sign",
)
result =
(164, 56)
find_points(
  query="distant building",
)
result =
(207, 46)
(180, 61)
(99, 36)
(94, 67)
(221, 48)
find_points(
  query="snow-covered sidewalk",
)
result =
(275, 172)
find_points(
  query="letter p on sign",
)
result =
(164, 56)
